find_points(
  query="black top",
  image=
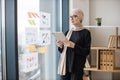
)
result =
(76, 56)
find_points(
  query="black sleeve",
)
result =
(85, 49)
(60, 49)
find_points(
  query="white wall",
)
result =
(100, 35)
(109, 10)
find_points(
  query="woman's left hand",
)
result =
(69, 43)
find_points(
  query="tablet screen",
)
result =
(59, 36)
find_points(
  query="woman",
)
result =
(78, 47)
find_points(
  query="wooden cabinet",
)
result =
(102, 59)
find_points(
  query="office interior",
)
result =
(28, 50)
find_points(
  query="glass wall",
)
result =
(0, 39)
(36, 21)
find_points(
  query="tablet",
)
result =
(59, 36)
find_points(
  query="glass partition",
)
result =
(0, 40)
(36, 45)
(1, 4)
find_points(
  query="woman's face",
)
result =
(74, 19)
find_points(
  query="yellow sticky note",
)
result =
(42, 49)
(32, 48)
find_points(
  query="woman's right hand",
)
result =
(59, 44)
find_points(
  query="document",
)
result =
(59, 36)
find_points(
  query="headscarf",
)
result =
(80, 15)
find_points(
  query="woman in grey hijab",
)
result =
(78, 47)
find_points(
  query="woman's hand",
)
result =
(59, 44)
(69, 43)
